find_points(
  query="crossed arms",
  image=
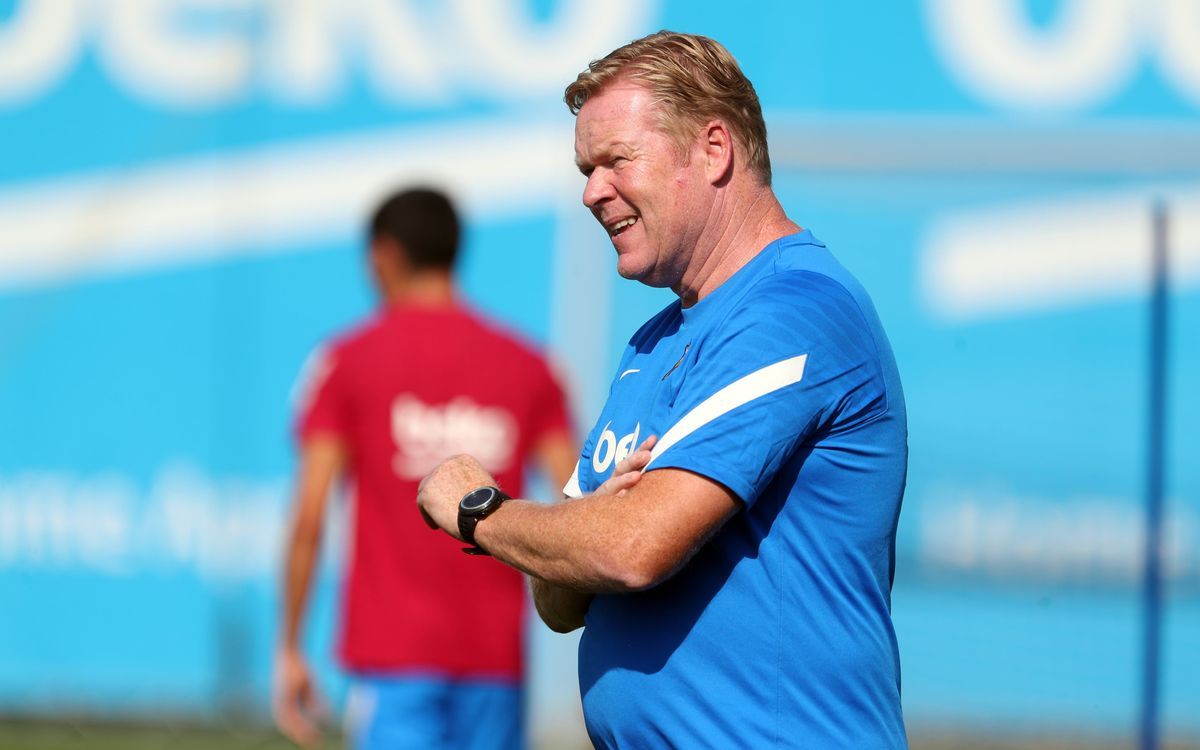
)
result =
(636, 531)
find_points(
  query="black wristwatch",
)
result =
(475, 506)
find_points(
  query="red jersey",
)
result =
(404, 391)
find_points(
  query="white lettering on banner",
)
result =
(996, 532)
(1179, 30)
(208, 54)
(48, 520)
(146, 49)
(1085, 57)
(610, 450)
(427, 434)
(401, 58)
(301, 57)
(523, 58)
(37, 46)
(221, 528)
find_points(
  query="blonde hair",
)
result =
(693, 79)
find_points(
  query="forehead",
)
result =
(619, 113)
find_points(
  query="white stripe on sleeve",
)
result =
(738, 393)
(571, 489)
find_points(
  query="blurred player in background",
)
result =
(432, 637)
(737, 593)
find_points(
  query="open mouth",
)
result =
(621, 226)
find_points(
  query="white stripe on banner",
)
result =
(738, 393)
(272, 198)
(1055, 252)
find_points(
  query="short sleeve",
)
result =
(794, 358)
(319, 403)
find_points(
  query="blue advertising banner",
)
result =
(183, 186)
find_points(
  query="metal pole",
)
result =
(1155, 471)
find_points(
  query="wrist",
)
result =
(288, 650)
(475, 507)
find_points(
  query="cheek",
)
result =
(682, 199)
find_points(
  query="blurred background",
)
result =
(183, 185)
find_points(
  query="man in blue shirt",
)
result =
(730, 544)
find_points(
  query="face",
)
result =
(649, 196)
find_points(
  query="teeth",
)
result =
(615, 228)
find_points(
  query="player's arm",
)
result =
(321, 462)
(564, 609)
(627, 541)
(560, 608)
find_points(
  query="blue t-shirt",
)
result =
(781, 386)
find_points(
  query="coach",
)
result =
(734, 573)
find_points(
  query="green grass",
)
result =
(23, 735)
(31, 734)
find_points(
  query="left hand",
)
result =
(629, 470)
(439, 493)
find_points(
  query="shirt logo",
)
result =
(427, 434)
(610, 450)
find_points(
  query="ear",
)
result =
(717, 142)
(388, 259)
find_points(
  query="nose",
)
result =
(598, 188)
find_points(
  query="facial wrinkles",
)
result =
(605, 148)
(640, 172)
(693, 243)
(674, 215)
(704, 261)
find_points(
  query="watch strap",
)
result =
(468, 521)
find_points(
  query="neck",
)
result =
(427, 288)
(741, 224)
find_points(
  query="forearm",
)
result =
(303, 548)
(562, 609)
(320, 462)
(588, 545)
(632, 535)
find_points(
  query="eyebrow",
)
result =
(604, 152)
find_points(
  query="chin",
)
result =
(629, 268)
(634, 271)
(642, 275)
(636, 266)
(628, 273)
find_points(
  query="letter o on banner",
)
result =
(1179, 43)
(997, 52)
(37, 46)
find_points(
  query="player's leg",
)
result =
(487, 715)
(397, 713)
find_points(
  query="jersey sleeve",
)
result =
(793, 359)
(320, 400)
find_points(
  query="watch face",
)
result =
(477, 499)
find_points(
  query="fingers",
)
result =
(629, 469)
(637, 460)
(428, 519)
(296, 702)
(295, 724)
(618, 483)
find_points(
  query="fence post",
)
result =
(1155, 472)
